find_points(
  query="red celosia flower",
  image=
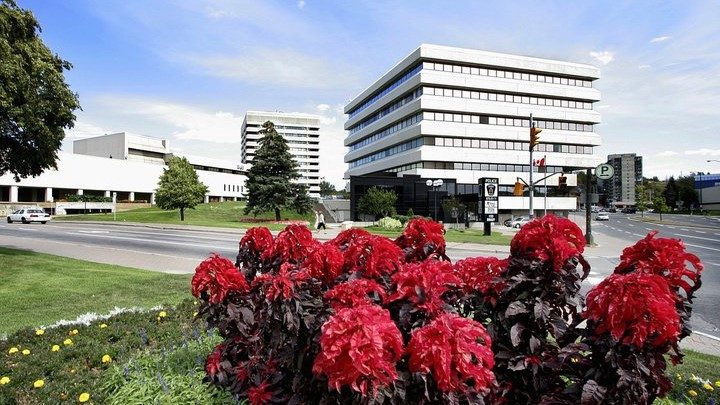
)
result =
(424, 283)
(217, 276)
(256, 242)
(481, 273)
(260, 395)
(212, 364)
(359, 348)
(664, 257)
(549, 239)
(324, 262)
(373, 257)
(421, 239)
(283, 284)
(292, 244)
(456, 351)
(635, 308)
(354, 293)
(350, 237)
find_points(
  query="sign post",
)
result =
(604, 171)
(114, 195)
(488, 209)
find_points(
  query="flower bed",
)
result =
(363, 317)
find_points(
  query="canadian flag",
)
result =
(539, 162)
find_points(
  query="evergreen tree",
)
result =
(671, 193)
(36, 105)
(179, 187)
(269, 180)
(327, 188)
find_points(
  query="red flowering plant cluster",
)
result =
(364, 319)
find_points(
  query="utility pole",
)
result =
(534, 140)
(588, 217)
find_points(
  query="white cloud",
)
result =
(643, 67)
(322, 107)
(660, 39)
(603, 57)
(216, 13)
(84, 129)
(301, 4)
(703, 152)
(667, 153)
(277, 67)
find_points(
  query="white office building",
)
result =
(302, 132)
(463, 114)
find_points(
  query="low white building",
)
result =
(127, 165)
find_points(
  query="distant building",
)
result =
(462, 114)
(620, 189)
(302, 132)
(708, 188)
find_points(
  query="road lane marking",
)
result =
(702, 247)
(212, 248)
(700, 232)
(697, 237)
(713, 263)
(93, 232)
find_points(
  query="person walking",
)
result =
(321, 220)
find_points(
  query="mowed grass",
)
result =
(219, 214)
(454, 235)
(40, 289)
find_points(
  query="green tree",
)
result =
(641, 198)
(36, 105)
(660, 206)
(687, 193)
(327, 188)
(269, 180)
(671, 193)
(302, 203)
(179, 187)
(378, 202)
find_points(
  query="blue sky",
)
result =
(188, 70)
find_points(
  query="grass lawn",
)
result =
(38, 289)
(221, 214)
(454, 235)
(697, 370)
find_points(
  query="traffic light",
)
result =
(519, 188)
(562, 182)
(534, 137)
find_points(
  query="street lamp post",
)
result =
(434, 184)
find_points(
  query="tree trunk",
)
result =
(277, 214)
(182, 213)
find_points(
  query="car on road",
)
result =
(518, 222)
(629, 210)
(27, 215)
(602, 216)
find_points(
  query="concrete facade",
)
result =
(463, 114)
(302, 132)
(620, 190)
(708, 188)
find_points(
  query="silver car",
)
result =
(27, 215)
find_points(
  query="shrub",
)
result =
(389, 223)
(363, 319)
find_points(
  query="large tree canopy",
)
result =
(179, 187)
(269, 180)
(36, 105)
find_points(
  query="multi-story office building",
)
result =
(620, 189)
(462, 114)
(302, 132)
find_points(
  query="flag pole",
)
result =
(532, 168)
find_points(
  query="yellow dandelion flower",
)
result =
(679, 377)
(693, 393)
(84, 397)
(103, 326)
(26, 352)
(74, 332)
(13, 350)
(717, 383)
(162, 314)
(39, 384)
(67, 342)
(55, 348)
(40, 332)
(195, 314)
(5, 380)
(106, 358)
(708, 387)
(72, 371)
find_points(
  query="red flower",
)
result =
(325, 263)
(373, 257)
(481, 273)
(260, 395)
(548, 239)
(359, 348)
(635, 308)
(256, 244)
(421, 239)
(456, 351)
(212, 364)
(217, 277)
(283, 284)
(350, 237)
(292, 244)
(354, 293)
(424, 283)
(664, 257)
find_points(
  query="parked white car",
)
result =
(602, 216)
(27, 215)
(519, 221)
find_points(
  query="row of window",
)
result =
(402, 124)
(297, 128)
(385, 90)
(216, 169)
(507, 74)
(304, 149)
(510, 145)
(387, 110)
(232, 187)
(415, 143)
(488, 167)
(514, 122)
(508, 98)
